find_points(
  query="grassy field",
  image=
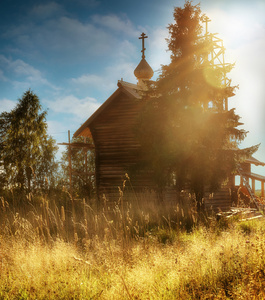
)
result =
(50, 254)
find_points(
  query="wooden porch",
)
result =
(249, 182)
(252, 178)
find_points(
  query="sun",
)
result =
(234, 27)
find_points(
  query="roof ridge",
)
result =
(129, 84)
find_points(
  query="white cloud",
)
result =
(88, 79)
(236, 26)
(107, 81)
(47, 10)
(22, 73)
(7, 105)
(81, 108)
(116, 23)
(20, 68)
(249, 73)
(127, 50)
(88, 3)
(3, 60)
(64, 38)
(67, 36)
(89, 82)
(95, 81)
(158, 49)
(2, 76)
(121, 70)
(56, 128)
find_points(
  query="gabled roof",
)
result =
(254, 161)
(130, 89)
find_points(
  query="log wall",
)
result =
(116, 145)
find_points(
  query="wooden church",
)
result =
(111, 128)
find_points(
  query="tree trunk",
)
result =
(200, 202)
(29, 176)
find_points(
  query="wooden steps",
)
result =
(244, 214)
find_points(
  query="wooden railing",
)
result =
(244, 181)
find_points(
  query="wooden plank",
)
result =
(253, 185)
(255, 176)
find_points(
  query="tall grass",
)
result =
(130, 250)
(129, 217)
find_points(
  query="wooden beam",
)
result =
(78, 145)
(253, 185)
(241, 181)
(70, 164)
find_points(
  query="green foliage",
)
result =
(184, 130)
(247, 227)
(165, 236)
(26, 151)
(83, 169)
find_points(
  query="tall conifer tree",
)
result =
(185, 132)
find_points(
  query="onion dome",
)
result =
(143, 70)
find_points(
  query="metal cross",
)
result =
(142, 37)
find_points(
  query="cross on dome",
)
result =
(142, 37)
(143, 71)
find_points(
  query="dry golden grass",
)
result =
(213, 262)
(132, 251)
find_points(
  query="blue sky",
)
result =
(71, 53)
